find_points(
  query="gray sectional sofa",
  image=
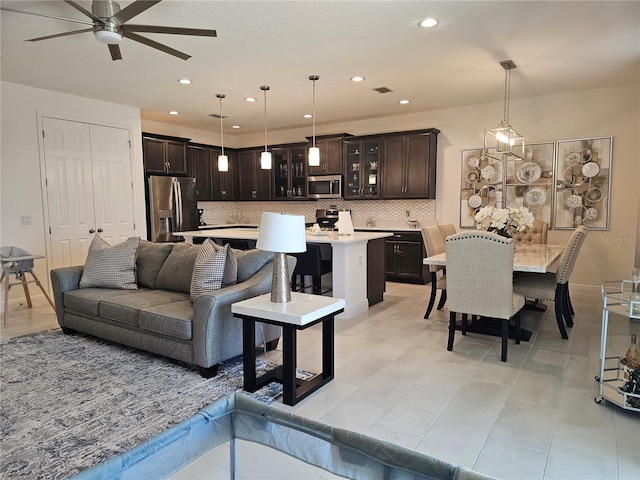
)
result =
(159, 316)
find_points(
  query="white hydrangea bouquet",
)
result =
(503, 220)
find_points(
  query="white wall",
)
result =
(606, 255)
(20, 168)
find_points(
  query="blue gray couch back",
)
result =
(168, 266)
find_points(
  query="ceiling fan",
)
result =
(109, 26)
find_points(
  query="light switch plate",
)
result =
(25, 219)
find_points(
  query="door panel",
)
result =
(67, 152)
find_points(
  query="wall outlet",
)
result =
(25, 219)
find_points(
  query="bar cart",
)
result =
(618, 298)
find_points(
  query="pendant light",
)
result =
(265, 157)
(314, 152)
(223, 160)
(504, 139)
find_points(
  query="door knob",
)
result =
(100, 230)
(93, 230)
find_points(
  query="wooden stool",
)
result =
(19, 262)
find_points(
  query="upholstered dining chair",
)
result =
(536, 234)
(480, 282)
(434, 244)
(555, 285)
(447, 229)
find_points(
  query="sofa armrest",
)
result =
(213, 323)
(63, 280)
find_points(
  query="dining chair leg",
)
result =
(505, 340)
(566, 310)
(432, 298)
(452, 330)
(465, 322)
(569, 301)
(558, 308)
(518, 326)
(443, 299)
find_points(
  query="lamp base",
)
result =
(280, 283)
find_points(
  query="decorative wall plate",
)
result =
(590, 169)
(574, 201)
(475, 201)
(573, 158)
(594, 194)
(527, 173)
(474, 162)
(591, 214)
(535, 197)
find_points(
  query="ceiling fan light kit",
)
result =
(109, 26)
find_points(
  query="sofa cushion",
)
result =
(250, 261)
(174, 319)
(126, 309)
(175, 273)
(149, 260)
(110, 266)
(208, 269)
(87, 300)
(230, 276)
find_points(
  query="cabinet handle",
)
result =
(100, 230)
(92, 230)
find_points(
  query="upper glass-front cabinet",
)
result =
(289, 173)
(361, 168)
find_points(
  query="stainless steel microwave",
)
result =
(324, 186)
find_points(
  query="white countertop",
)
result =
(250, 233)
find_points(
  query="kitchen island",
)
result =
(357, 262)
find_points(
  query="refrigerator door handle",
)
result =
(177, 190)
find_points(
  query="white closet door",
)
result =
(112, 186)
(67, 153)
(89, 188)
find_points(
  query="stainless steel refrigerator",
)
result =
(172, 207)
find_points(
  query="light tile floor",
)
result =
(533, 417)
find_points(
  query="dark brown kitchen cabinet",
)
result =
(362, 166)
(409, 169)
(254, 183)
(164, 155)
(290, 172)
(200, 165)
(224, 183)
(403, 258)
(331, 154)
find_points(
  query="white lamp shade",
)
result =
(223, 163)
(282, 233)
(265, 160)
(314, 157)
(108, 37)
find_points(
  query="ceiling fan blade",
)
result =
(84, 22)
(158, 46)
(170, 30)
(132, 10)
(83, 10)
(59, 35)
(115, 52)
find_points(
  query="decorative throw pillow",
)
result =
(110, 266)
(208, 269)
(230, 276)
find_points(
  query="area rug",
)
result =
(69, 402)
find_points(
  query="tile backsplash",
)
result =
(383, 213)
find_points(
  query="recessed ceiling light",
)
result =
(235, 126)
(428, 22)
(185, 81)
(250, 99)
(404, 101)
(357, 78)
(174, 112)
(307, 115)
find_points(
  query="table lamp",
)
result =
(281, 234)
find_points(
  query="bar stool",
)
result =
(310, 263)
(19, 262)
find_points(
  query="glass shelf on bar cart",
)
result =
(619, 297)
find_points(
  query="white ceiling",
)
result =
(557, 46)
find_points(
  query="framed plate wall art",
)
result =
(481, 184)
(583, 182)
(529, 182)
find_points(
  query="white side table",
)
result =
(303, 311)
